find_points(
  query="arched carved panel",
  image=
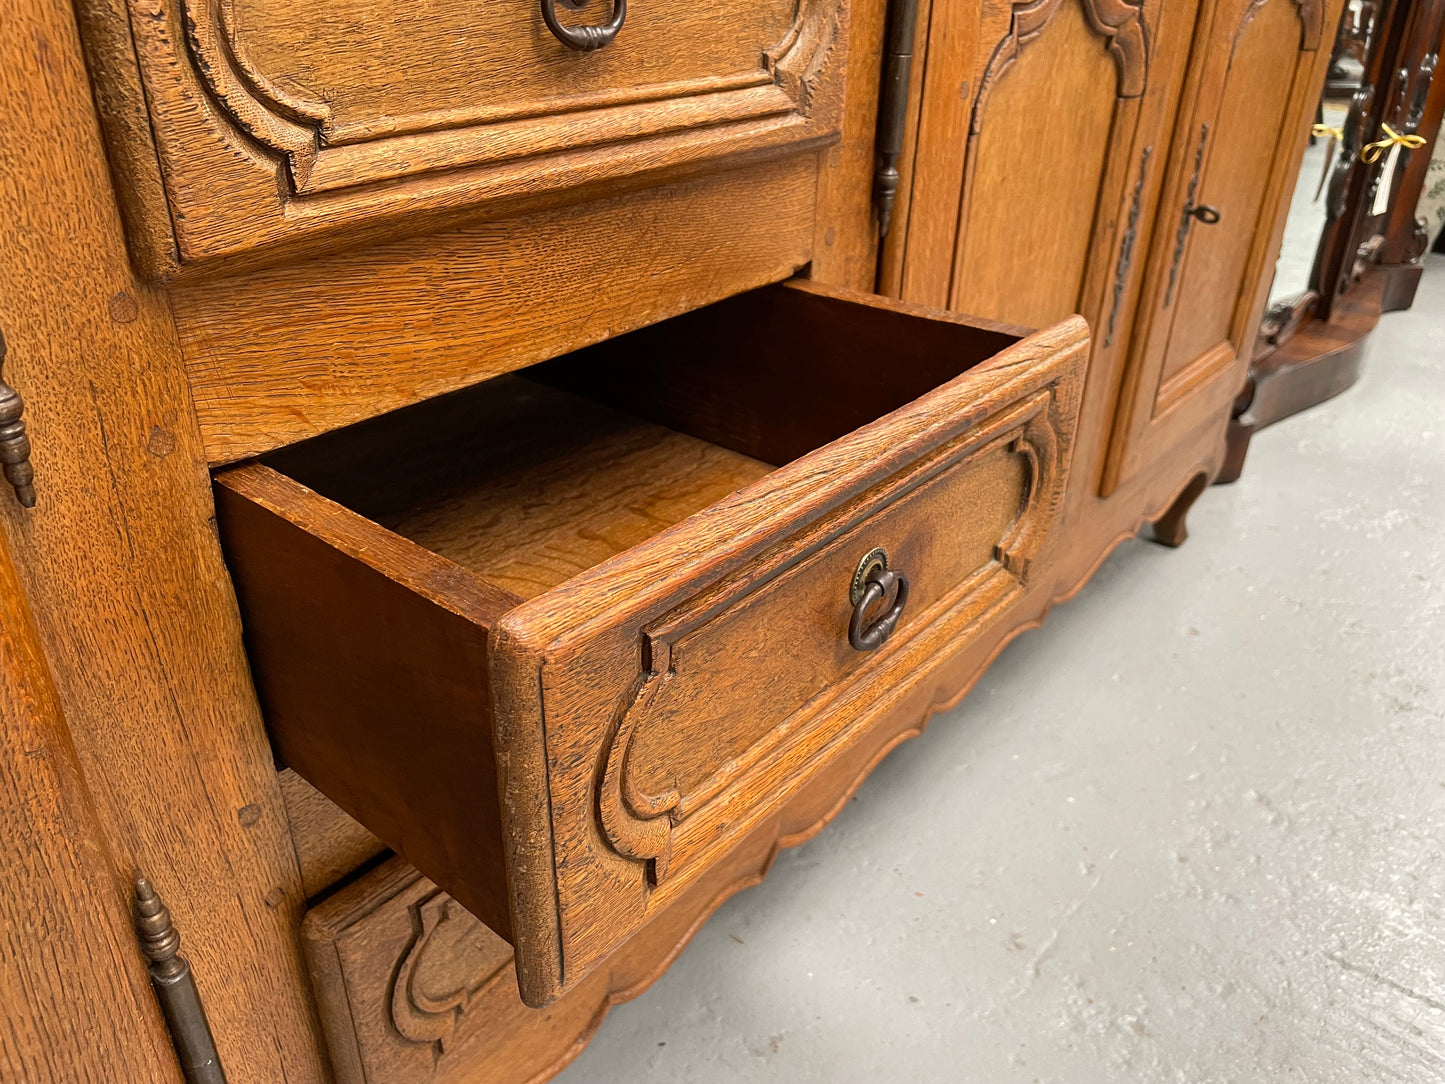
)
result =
(1046, 121)
(1120, 24)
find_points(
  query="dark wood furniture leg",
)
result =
(1169, 529)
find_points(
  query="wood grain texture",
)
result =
(1131, 192)
(69, 962)
(1002, 80)
(280, 131)
(329, 844)
(567, 662)
(1063, 91)
(1202, 304)
(845, 241)
(392, 642)
(361, 941)
(1188, 442)
(283, 355)
(580, 484)
(124, 577)
(413, 990)
(962, 483)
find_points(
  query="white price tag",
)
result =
(1387, 182)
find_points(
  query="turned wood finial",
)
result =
(14, 443)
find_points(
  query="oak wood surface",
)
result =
(120, 565)
(330, 845)
(1030, 99)
(565, 662)
(1063, 91)
(845, 241)
(65, 923)
(279, 131)
(285, 354)
(465, 1010)
(411, 989)
(1134, 212)
(581, 484)
(1237, 147)
(392, 631)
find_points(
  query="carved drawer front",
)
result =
(564, 639)
(274, 121)
(399, 968)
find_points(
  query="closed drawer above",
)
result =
(244, 125)
(562, 639)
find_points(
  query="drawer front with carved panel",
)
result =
(564, 640)
(282, 123)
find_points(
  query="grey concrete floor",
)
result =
(1189, 831)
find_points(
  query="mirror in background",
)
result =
(1294, 287)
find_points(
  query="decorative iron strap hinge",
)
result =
(893, 106)
(175, 988)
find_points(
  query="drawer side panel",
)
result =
(398, 738)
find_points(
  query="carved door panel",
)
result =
(1235, 152)
(1030, 151)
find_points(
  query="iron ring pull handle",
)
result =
(584, 39)
(1203, 213)
(876, 587)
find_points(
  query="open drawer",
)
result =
(563, 638)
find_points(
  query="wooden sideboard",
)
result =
(492, 489)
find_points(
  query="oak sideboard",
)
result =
(482, 478)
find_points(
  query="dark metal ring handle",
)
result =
(584, 39)
(1204, 213)
(879, 583)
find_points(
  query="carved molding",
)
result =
(1311, 14)
(640, 825)
(299, 130)
(444, 930)
(1120, 24)
(1126, 245)
(635, 824)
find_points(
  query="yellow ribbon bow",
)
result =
(1326, 130)
(1372, 151)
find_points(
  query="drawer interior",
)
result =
(529, 479)
(387, 572)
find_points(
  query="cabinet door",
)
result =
(1236, 148)
(1029, 145)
